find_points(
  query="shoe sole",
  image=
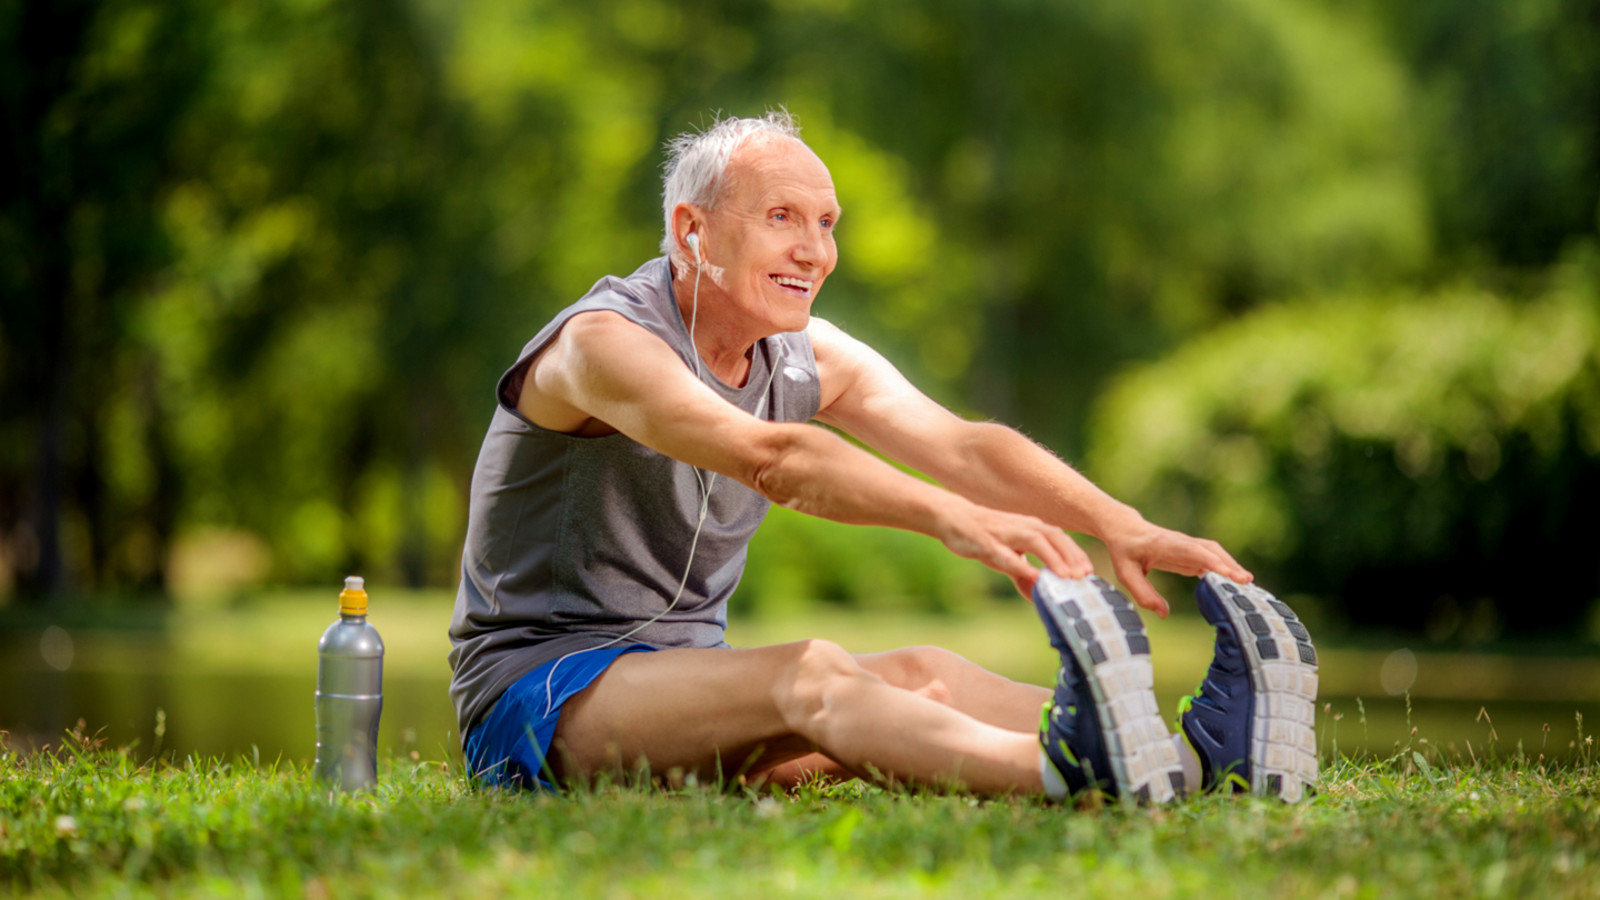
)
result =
(1283, 673)
(1108, 640)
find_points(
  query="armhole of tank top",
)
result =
(814, 400)
(519, 369)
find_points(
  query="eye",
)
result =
(780, 216)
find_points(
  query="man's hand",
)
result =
(1138, 546)
(1001, 540)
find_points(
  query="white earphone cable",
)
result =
(706, 481)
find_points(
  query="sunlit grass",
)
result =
(88, 821)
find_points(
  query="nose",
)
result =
(811, 249)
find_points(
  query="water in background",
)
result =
(126, 686)
(224, 714)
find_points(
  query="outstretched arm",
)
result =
(605, 373)
(998, 467)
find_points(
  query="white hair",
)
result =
(697, 161)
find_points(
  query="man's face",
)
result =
(770, 239)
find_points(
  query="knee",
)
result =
(929, 671)
(817, 672)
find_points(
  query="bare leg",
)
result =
(939, 675)
(954, 681)
(731, 712)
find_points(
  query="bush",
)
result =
(1403, 458)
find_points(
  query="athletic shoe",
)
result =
(1251, 720)
(1103, 728)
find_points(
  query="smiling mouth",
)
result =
(794, 285)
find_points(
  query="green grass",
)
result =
(85, 820)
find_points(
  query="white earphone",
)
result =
(693, 240)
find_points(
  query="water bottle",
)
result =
(349, 694)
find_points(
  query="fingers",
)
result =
(1059, 553)
(1226, 565)
(1201, 556)
(1025, 588)
(1002, 541)
(1014, 565)
(1169, 551)
(1030, 541)
(1132, 576)
(1077, 562)
(1173, 551)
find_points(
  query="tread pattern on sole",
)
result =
(1283, 667)
(1109, 642)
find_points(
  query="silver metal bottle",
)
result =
(349, 694)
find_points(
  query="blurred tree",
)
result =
(1404, 458)
(1036, 192)
(91, 94)
(1126, 174)
(265, 261)
(1509, 119)
(327, 316)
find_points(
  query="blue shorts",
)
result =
(509, 747)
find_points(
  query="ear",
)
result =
(688, 219)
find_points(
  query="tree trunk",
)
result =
(50, 40)
(48, 578)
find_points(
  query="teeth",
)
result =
(792, 282)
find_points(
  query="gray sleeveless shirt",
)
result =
(573, 541)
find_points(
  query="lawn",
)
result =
(86, 820)
(1452, 809)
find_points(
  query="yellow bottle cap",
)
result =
(353, 599)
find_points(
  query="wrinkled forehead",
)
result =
(769, 163)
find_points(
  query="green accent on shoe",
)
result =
(1185, 703)
(1187, 700)
(1044, 729)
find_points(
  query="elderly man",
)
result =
(636, 445)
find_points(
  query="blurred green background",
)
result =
(1317, 278)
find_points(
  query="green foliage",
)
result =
(1391, 452)
(1112, 176)
(330, 284)
(91, 93)
(85, 822)
(261, 263)
(1507, 97)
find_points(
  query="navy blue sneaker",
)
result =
(1102, 728)
(1251, 720)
